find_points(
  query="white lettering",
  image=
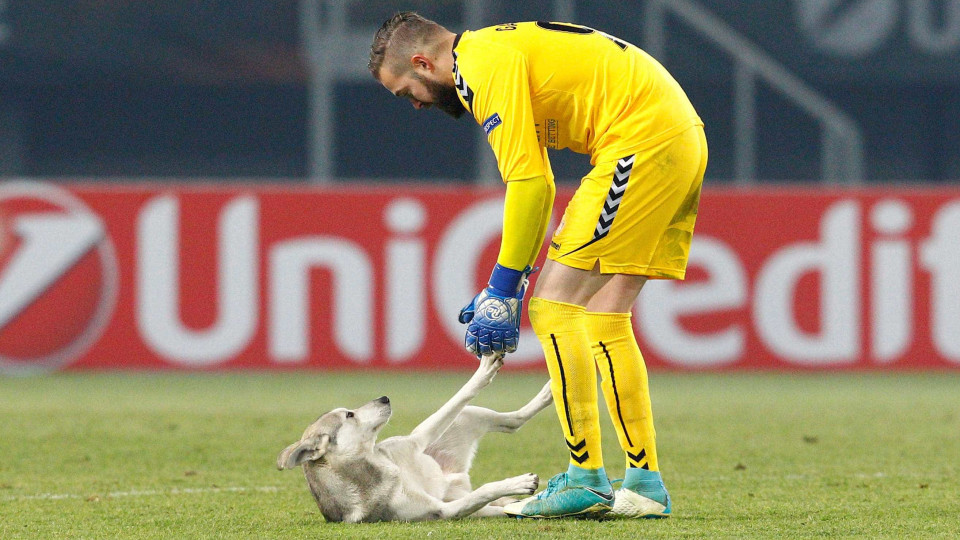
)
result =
(290, 265)
(836, 258)
(940, 255)
(406, 298)
(891, 283)
(663, 310)
(663, 303)
(158, 282)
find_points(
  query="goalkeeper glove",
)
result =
(494, 314)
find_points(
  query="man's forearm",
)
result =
(525, 218)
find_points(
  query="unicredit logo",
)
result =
(58, 277)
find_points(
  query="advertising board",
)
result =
(369, 277)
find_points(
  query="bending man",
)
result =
(534, 86)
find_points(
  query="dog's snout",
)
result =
(384, 399)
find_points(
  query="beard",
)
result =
(445, 97)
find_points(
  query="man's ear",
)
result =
(420, 62)
(302, 451)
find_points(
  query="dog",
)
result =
(417, 477)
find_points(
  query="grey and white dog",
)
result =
(420, 476)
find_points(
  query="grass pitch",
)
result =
(110, 455)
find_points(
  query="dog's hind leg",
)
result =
(508, 422)
(455, 449)
(479, 420)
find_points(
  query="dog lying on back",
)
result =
(421, 476)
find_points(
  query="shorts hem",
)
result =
(573, 263)
(652, 272)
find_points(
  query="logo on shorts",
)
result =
(491, 123)
(58, 277)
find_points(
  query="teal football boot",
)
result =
(641, 495)
(578, 493)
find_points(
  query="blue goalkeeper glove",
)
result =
(494, 314)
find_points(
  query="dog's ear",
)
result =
(298, 453)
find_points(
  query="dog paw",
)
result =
(490, 365)
(527, 483)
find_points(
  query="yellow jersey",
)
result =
(535, 85)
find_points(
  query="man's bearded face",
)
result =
(445, 96)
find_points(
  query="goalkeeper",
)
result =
(534, 86)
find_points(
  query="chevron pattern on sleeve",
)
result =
(617, 188)
(461, 84)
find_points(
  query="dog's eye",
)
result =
(349, 414)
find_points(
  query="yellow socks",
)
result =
(625, 386)
(576, 343)
(573, 374)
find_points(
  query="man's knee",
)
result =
(617, 295)
(561, 283)
(536, 313)
(551, 316)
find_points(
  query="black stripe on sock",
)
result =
(563, 383)
(616, 395)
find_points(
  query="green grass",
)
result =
(744, 455)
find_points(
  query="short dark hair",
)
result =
(398, 35)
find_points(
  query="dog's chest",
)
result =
(420, 472)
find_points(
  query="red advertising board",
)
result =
(371, 277)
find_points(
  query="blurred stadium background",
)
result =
(828, 228)
(791, 91)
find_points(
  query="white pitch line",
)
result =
(141, 493)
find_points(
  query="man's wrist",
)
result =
(505, 281)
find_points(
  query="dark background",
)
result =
(221, 89)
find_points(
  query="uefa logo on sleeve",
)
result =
(58, 278)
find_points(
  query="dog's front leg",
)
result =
(525, 484)
(430, 429)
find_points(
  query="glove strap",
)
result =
(505, 281)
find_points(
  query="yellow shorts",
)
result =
(636, 215)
